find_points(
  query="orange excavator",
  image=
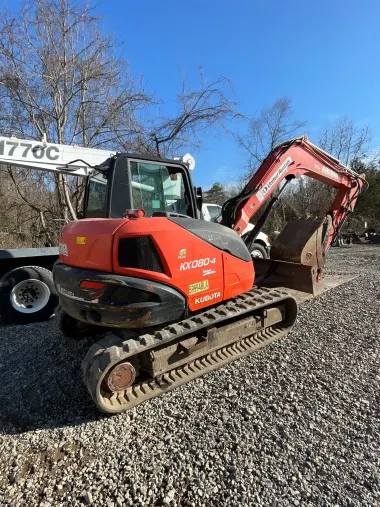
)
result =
(180, 296)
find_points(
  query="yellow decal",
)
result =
(198, 287)
(182, 253)
(81, 240)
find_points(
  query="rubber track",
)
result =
(104, 354)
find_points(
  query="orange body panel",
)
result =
(238, 275)
(205, 274)
(89, 243)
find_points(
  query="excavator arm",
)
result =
(293, 159)
(302, 242)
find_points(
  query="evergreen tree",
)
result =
(216, 194)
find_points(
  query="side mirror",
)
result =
(199, 197)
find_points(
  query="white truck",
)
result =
(261, 245)
(27, 292)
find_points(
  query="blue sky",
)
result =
(324, 55)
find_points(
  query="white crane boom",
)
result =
(59, 158)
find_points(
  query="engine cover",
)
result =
(205, 262)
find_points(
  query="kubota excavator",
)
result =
(182, 295)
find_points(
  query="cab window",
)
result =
(97, 196)
(156, 187)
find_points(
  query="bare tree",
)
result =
(205, 109)
(59, 76)
(345, 141)
(270, 127)
(26, 204)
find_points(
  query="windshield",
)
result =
(214, 211)
(154, 189)
(97, 196)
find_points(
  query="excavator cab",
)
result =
(132, 182)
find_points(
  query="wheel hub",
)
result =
(29, 296)
(121, 377)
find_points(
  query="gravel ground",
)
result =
(294, 424)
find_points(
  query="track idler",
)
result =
(120, 377)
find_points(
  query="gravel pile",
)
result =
(294, 424)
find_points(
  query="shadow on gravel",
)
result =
(41, 380)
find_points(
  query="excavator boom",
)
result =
(297, 254)
(294, 159)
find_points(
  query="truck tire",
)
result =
(27, 294)
(258, 251)
(73, 328)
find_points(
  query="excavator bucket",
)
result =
(301, 242)
(297, 255)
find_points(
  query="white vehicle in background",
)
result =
(261, 246)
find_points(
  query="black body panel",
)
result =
(124, 302)
(217, 235)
